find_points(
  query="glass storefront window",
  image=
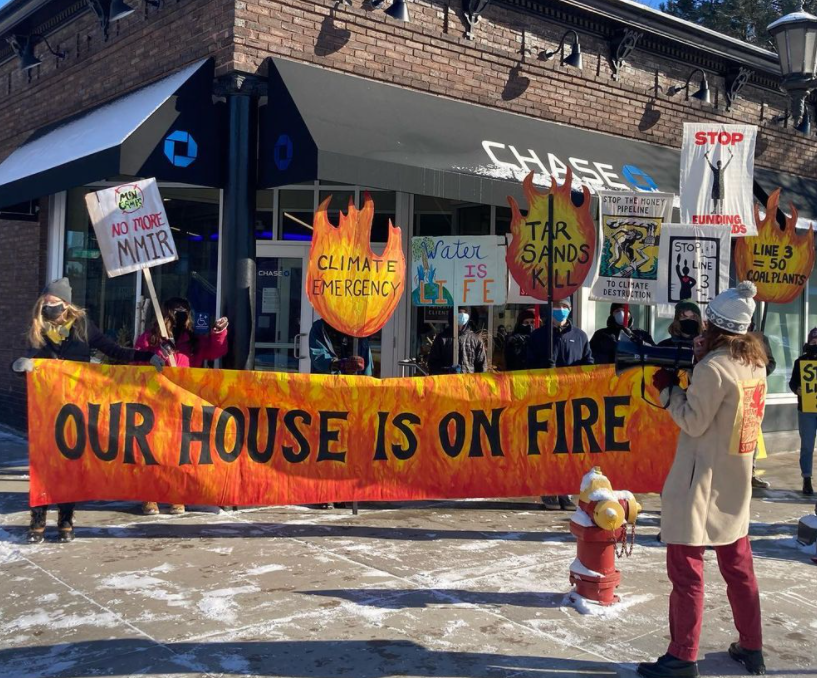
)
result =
(438, 216)
(784, 330)
(108, 301)
(264, 211)
(297, 204)
(193, 215)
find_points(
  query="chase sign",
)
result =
(181, 149)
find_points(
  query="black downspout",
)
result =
(238, 220)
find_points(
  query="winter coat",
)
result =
(74, 349)
(677, 341)
(516, 351)
(323, 352)
(706, 497)
(604, 341)
(794, 382)
(188, 353)
(472, 356)
(570, 347)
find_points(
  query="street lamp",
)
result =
(796, 38)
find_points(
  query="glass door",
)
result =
(283, 314)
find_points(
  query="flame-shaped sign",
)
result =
(778, 261)
(574, 240)
(353, 289)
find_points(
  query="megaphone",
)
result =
(633, 353)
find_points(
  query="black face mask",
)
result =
(181, 320)
(811, 349)
(689, 327)
(51, 313)
(525, 329)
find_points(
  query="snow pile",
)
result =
(585, 606)
(581, 518)
(578, 568)
(588, 478)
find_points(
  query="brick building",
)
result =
(269, 106)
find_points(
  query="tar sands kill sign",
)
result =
(131, 227)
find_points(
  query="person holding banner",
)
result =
(331, 352)
(806, 420)
(604, 341)
(516, 346)
(685, 326)
(188, 350)
(59, 330)
(472, 356)
(706, 499)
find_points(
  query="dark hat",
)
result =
(59, 288)
(526, 314)
(682, 306)
(614, 307)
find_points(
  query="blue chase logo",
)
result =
(282, 153)
(181, 149)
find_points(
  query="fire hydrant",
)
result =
(600, 526)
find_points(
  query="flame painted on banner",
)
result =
(219, 437)
(779, 261)
(353, 289)
(574, 240)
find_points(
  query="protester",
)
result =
(500, 343)
(604, 341)
(686, 325)
(759, 483)
(188, 350)
(332, 352)
(806, 421)
(60, 330)
(569, 347)
(471, 357)
(706, 497)
(516, 346)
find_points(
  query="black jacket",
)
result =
(472, 356)
(74, 349)
(570, 347)
(603, 343)
(794, 382)
(516, 351)
(677, 341)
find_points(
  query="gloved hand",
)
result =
(157, 362)
(664, 379)
(221, 325)
(352, 365)
(23, 365)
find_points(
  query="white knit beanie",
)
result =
(733, 309)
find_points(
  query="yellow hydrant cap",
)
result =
(592, 481)
(609, 515)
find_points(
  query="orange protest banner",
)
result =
(220, 437)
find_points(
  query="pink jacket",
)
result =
(209, 347)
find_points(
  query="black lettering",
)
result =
(612, 422)
(380, 441)
(535, 427)
(491, 429)
(189, 436)
(228, 414)
(138, 433)
(584, 424)
(113, 431)
(262, 457)
(401, 421)
(452, 449)
(290, 419)
(329, 436)
(70, 411)
(561, 428)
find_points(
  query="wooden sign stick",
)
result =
(157, 309)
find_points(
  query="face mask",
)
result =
(463, 318)
(689, 326)
(618, 316)
(527, 329)
(53, 311)
(181, 319)
(560, 314)
(811, 349)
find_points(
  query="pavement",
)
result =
(430, 589)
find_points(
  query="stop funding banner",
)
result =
(221, 437)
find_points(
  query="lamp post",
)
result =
(796, 38)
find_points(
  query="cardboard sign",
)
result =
(694, 265)
(751, 407)
(131, 227)
(458, 271)
(223, 437)
(808, 385)
(631, 227)
(717, 174)
(573, 236)
(779, 261)
(351, 288)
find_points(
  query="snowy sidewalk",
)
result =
(444, 589)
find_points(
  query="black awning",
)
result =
(170, 130)
(320, 124)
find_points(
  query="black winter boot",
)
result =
(668, 667)
(551, 503)
(36, 528)
(65, 523)
(808, 490)
(751, 659)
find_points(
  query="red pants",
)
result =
(685, 567)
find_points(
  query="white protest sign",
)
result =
(694, 265)
(631, 230)
(717, 173)
(131, 227)
(458, 271)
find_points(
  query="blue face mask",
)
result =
(560, 314)
(463, 318)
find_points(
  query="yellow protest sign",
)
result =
(808, 385)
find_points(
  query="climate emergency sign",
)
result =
(131, 227)
(717, 171)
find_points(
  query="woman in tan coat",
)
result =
(706, 497)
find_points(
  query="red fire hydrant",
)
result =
(600, 526)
